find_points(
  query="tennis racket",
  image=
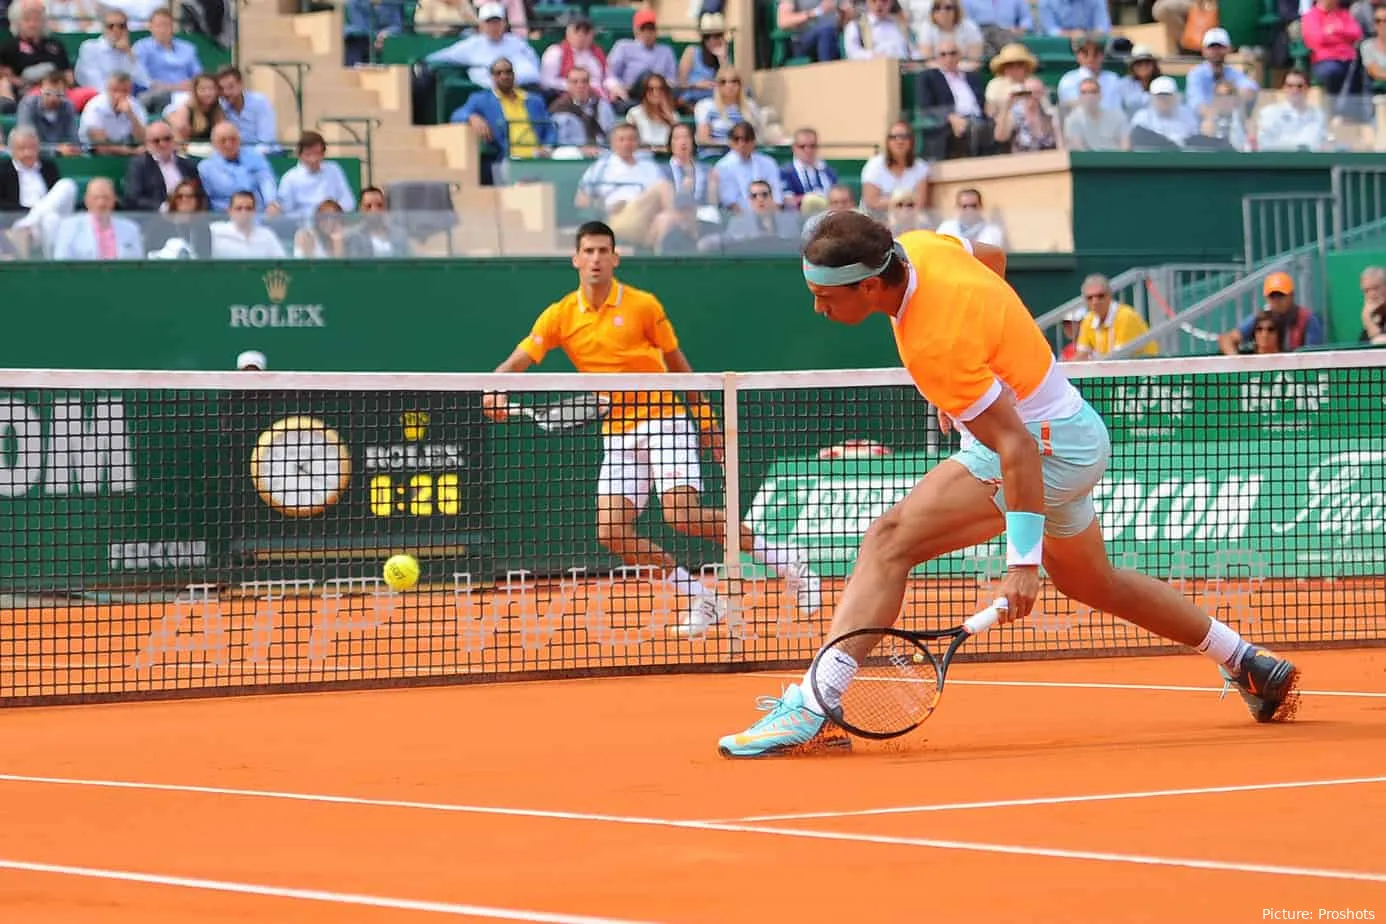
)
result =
(568, 414)
(898, 681)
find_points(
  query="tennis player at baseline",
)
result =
(651, 440)
(1032, 450)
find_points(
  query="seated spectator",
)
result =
(1225, 120)
(195, 117)
(878, 33)
(1331, 35)
(696, 196)
(251, 112)
(815, 26)
(700, 64)
(627, 190)
(1090, 52)
(578, 49)
(581, 118)
(806, 172)
(1074, 18)
(1267, 333)
(171, 63)
(1010, 69)
(1090, 126)
(1212, 70)
(375, 238)
(632, 59)
(30, 184)
(183, 225)
(971, 223)
(905, 214)
(313, 180)
(1028, 123)
(1299, 327)
(510, 121)
(366, 24)
(326, 239)
(233, 168)
(898, 167)
(1166, 124)
(1292, 124)
(1107, 327)
(840, 198)
(956, 95)
(1374, 305)
(762, 222)
(114, 121)
(152, 177)
(480, 51)
(654, 116)
(243, 237)
(31, 53)
(946, 26)
(98, 234)
(1001, 21)
(99, 58)
(1134, 88)
(727, 108)
(1372, 51)
(743, 165)
(51, 115)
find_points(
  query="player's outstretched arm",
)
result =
(518, 361)
(494, 404)
(993, 257)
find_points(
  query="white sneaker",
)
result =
(704, 612)
(804, 586)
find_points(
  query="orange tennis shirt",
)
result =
(965, 336)
(629, 332)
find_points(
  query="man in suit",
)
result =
(807, 172)
(98, 234)
(956, 97)
(152, 177)
(376, 238)
(30, 184)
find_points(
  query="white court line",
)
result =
(735, 828)
(1077, 685)
(1061, 800)
(311, 895)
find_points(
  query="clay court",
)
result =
(1079, 789)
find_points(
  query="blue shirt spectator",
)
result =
(170, 63)
(249, 111)
(368, 24)
(99, 58)
(1004, 14)
(478, 52)
(644, 54)
(1205, 76)
(234, 168)
(1063, 17)
(518, 139)
(742, 166)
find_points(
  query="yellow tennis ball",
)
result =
(918, 658)
(402, 572)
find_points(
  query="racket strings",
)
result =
(895, 688)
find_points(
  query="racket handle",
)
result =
(981, 622)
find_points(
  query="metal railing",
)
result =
(1275, 224)
(363, 138)
(295, 82)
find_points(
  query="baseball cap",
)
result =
(645, 17)
(490, 11)
(1163, 86)
(1280, 282)
(252, 359)
(1217, 36)
(1077, 314)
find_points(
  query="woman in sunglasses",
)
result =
(945, 23)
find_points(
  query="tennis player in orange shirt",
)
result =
(1032, 450)
(650, 439)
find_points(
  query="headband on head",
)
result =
(849, 274)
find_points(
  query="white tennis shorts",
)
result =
(660, 454)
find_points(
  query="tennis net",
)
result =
(166, 534)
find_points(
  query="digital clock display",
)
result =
(417, 495)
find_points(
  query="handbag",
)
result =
(1203, 15)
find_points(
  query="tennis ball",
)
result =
(402, 572)
(918, 658)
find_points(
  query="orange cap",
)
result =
(1280, 282)
(645, 17)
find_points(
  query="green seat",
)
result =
(408, 48)
(613, 19)
(454, 89)
(7, 124)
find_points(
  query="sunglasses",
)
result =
(1097, 296)
(905, 204)
(899, 136)
(760, 194)
(1265, 328)
(1302, 86)
(116, 26)
(502, 72)
(948, 53)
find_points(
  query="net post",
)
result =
(732, 465)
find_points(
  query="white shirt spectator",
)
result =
(97, 60)
(301, 190)
(99, 114)
(32, 187)
(1284, 126)
(613, 180)
(928, 34)
(983, 232)
(1105, 130)
(965, 101)
(874, 172)
(888, 40)
(228, 243)
(1071, 82)
(168, 168)
(1178, 126)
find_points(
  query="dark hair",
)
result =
(242, 194)
(594, 229)
(969, 191)
(1294, 72)
(311, 139)
(375, 189)
(845, 237)
(230, 70)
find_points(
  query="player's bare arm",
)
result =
(1001, 430)
(493, 403)
(994, 258)
(710, 434)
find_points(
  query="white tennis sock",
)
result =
(772, 555)
(835, 673)
(1223, 645)
(685, 582)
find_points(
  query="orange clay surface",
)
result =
(570, 801)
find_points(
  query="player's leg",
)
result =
(1078, 564)
(950, 509)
